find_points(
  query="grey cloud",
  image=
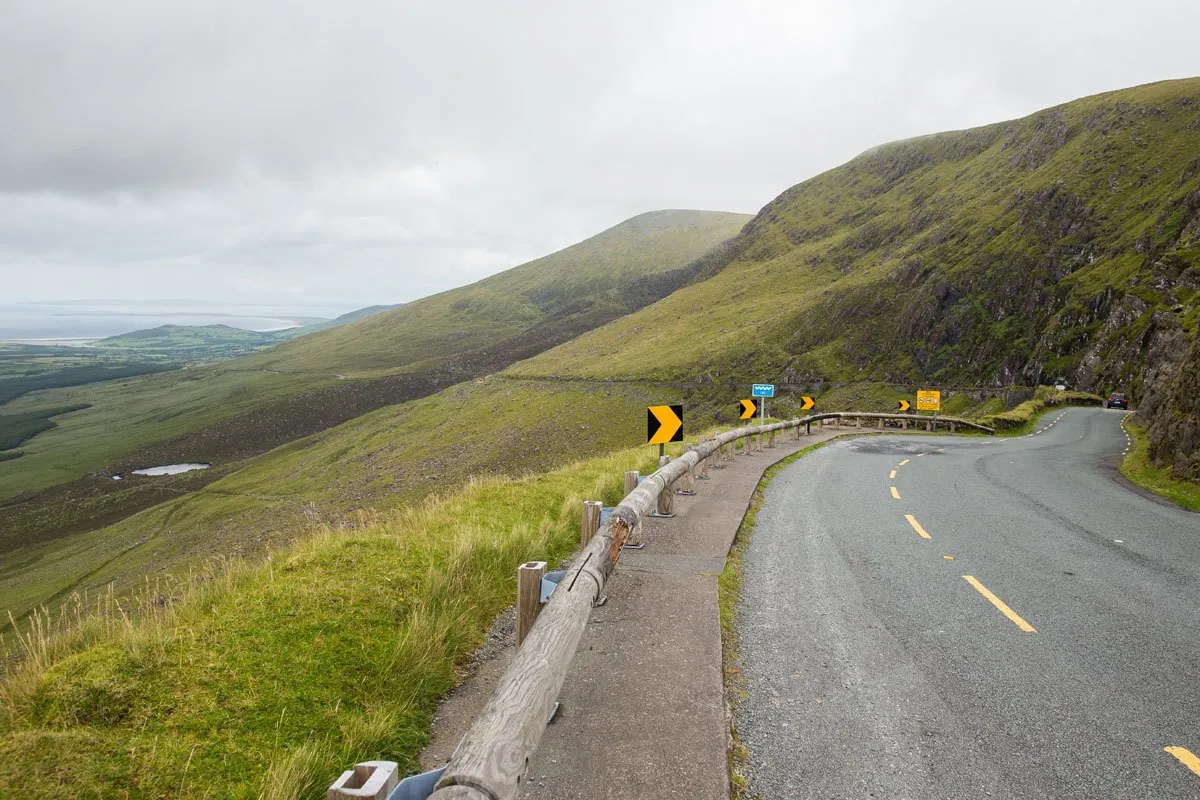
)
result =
(380, 150)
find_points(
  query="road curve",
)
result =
(938, 617)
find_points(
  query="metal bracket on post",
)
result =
(369, 779)
(550, 582)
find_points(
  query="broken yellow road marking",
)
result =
(1000, 604)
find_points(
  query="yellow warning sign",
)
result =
(664, 424)
(929, 401)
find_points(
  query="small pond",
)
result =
(170, 469)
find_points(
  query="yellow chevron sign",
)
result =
(808, 403)
(664, 424)
(905, 405)
(748, 408)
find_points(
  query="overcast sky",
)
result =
(278, 151)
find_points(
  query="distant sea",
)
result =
(96, 319)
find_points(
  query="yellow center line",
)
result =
(1186, 757)
(892, 475)
(999, 604)
(895, 494)
(917, 526)
(905, 461)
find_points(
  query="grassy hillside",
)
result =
(230, 412)
(1062, 243)
(383, 460)
(268, 680)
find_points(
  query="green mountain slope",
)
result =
(1062, 243)
(596, 280)
(229, 413)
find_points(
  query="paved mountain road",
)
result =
(939, 617)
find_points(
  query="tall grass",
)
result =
(267, 679)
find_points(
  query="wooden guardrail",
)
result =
(491, 761)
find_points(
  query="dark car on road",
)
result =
(1117, 400)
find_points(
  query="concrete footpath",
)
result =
(643, 709)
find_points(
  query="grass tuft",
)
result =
(1140, 469)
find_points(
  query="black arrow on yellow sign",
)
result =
(808, 403)
(748, 408)
(905, 405)
(664, 424)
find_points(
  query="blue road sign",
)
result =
(763, 390)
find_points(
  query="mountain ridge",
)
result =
(886, 267)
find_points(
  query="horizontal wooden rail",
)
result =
(913, 418)
(491, 761)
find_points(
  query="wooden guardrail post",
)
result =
(858, 422)
(951, 424)
(687, 484)
(881, 423)
(929, 425)
(704, 469)
(631, 481)
(591, 520)
(529, 596)
(771, 441)
(904, 424)
(666, 498)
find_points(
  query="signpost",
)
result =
(763, 390)
(664, 424)
(929, 401)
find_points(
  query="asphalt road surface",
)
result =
(941, 617)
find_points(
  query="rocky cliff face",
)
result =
(1172, 407)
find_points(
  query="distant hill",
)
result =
(519, 312)
(352, 316)
(182, 343)
(190, 343)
